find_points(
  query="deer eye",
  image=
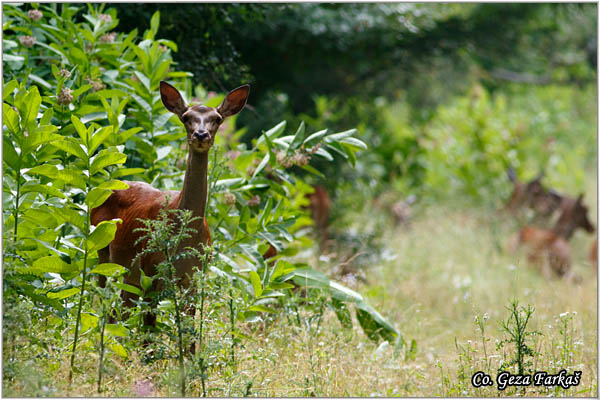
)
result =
(185, 119)
(219, 120)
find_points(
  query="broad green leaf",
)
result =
(114, 185)
(88, 321)
(82, 131)
(118, 349)
(45, 189)
(105, 158)
(40, 81)
(256, 284)
(81, 90)
(63, 294)
(47, 117)
(33, 100)
(53, 264)
(71, 146)
(127, 171)
(116, 330)
(99, 137)
(310, 278)
(128, 288)
(71, 216)
(259, 308)
(9, 88)
(102, 235)
(342, 312)
(374, 324)
(97, 196)
(109, 269)
(10, 155)
(39, 136)
(11, 119)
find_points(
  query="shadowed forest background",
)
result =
(426, 106)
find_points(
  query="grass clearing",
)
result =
(449, 270)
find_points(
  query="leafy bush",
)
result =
(81, 111)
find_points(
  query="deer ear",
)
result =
(172, 99)
(234, 101)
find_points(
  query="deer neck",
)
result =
(195, 184)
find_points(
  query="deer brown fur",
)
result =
(551, 247)
(142, 201)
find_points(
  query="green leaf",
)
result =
(63, 294)
(314, 138)
(298, 138)
(260, 308)
(10, 155)
(116, 330)
(99, 137)
(128, 288)
(97, 196)
(342, 312)
(256, 284)
(145, 281)
(102, 235)
(81, 130)
(114, 185)
(44, 189)
(109, 269)
(71, 146)
(53, 264)
(81, 90)
(9, 88)
(39, 136)
(374, 324)
(105, 158)
(354, 142)
(118, 349)
(11, 119)
(127, 171)
(154, 23)
(272, 133)
(40, 81)
(88, 321)
(33, 100)
(310, 278)
(340, 135)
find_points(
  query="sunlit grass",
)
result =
(449, 267)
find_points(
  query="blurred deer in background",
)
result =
(532, 195)
(143, 201)
(319, 206)
(551, 247)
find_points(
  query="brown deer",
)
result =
(553, 244)
(532, 195)
(593, 256)
(143, 201)
(319, 206)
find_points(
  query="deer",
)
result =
(319, 206)
(554, 243)
(544, 202)
(142, 201)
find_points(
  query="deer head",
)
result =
(573, 216)
(202, 122)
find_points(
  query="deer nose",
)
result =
(201, 135)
